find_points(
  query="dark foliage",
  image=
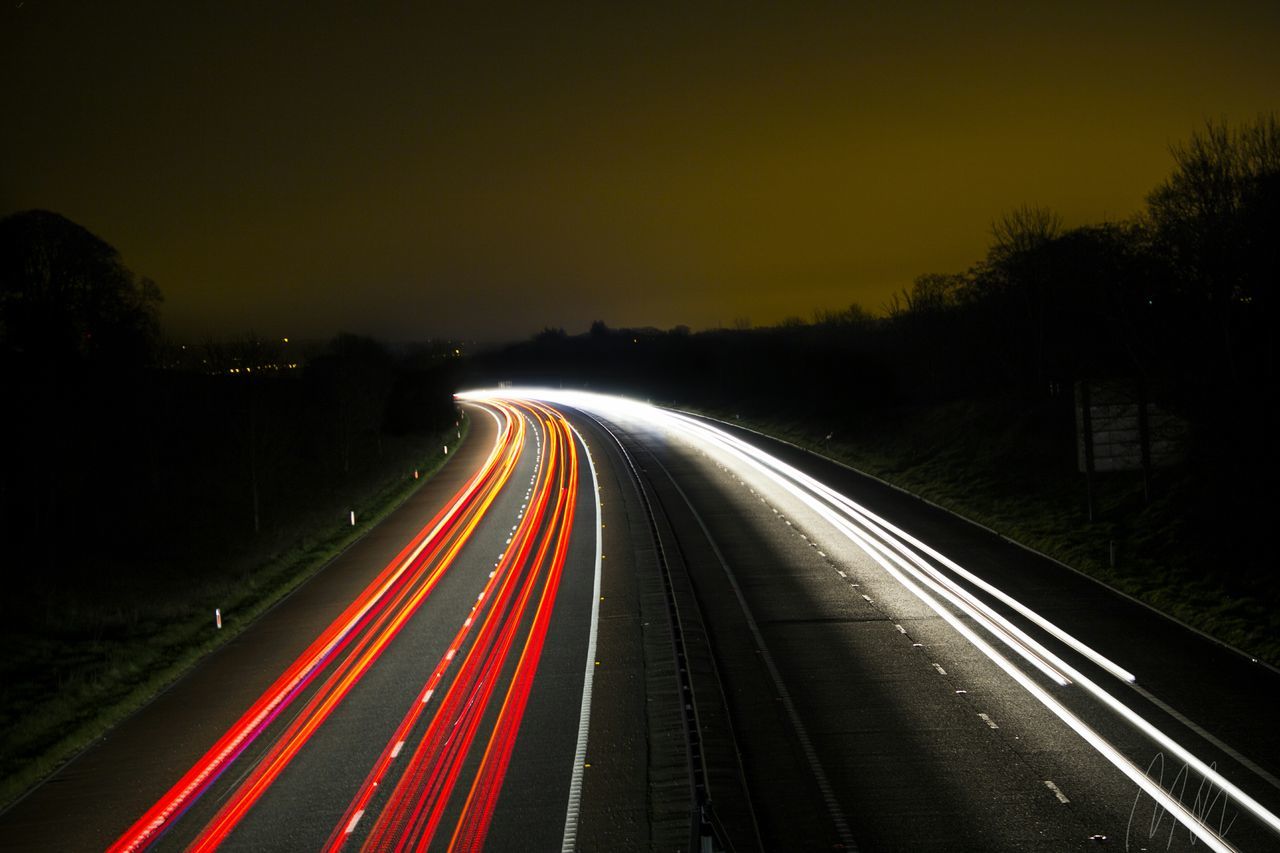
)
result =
(77, 336)
(1178, 302)
(117, 460)
(67, 301)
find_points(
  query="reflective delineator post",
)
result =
(415, 473)
(353, 518)
(217, 617)
(446, 450)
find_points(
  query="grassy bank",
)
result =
(87, 657)
(1014, 470)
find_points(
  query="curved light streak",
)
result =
(404, 582)
(888, 546)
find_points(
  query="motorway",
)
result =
(392, 702)
(898, 679)
(609, 626)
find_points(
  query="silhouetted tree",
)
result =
(934, 292)
(1022, 229)
(1014, 279)
(76, 329)
(855, 316)
(550, 335)
(1217, 217)
(1217, 220)
(66, 295)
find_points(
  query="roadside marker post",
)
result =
(217, 617)
(353, 518)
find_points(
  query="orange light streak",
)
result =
(486, 483)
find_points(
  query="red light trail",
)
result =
(494, 654)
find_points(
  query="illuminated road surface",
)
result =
(417, 718)
(926, 706)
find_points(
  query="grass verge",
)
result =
(1013, 470)
(100, 653)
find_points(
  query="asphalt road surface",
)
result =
(898, 679)
(605, 626)
(425, 689)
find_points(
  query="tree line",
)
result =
(1180, 295)
(126, 452)
(1178, 299)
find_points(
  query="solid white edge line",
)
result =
(780, 476)
(1259, 771)
(1106, 749)
(570, 840)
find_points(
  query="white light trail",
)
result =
(907, 560)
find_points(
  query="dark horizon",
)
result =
(484, 174)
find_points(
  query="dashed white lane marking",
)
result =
(395, 750)
(822, 554)
(355, 818)
(867, 598)
(986, 719)
(1057, 792)
(939, 668)
(901, 630)
(841, 574)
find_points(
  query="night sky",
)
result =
(411, 170)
